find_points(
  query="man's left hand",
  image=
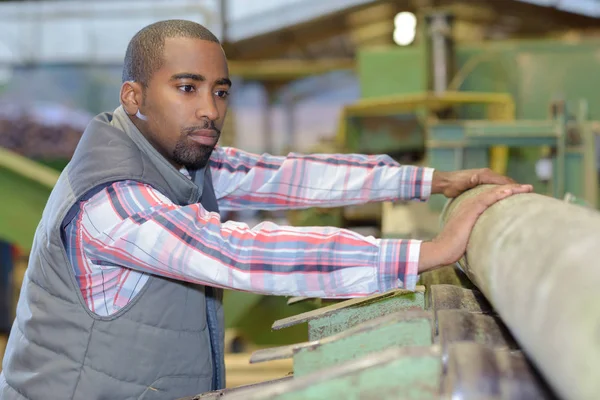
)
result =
(452, 184)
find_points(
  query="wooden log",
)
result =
(537, 261)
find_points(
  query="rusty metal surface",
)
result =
(449, 297)
(462, 326)
(449, 275)
(476, 372)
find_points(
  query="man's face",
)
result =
(185, 102)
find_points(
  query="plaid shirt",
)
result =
(129, 231)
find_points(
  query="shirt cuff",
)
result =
(426, 183)
(415, 182)
(398, 264)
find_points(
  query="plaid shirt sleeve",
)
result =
(131, 224)
(248, 181)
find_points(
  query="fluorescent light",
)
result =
(405, 28)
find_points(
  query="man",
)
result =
(122, 297)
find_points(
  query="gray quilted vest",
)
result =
(167, 343)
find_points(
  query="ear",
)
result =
(132, 97)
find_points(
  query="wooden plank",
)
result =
(404, 329)
(278, 353)
(217, 394)
(239, 371)
(298, 299)
(361, 301)
(283, 352)
(413, 371)
(346, 318)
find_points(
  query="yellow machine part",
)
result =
(27, 168)
(500, 107)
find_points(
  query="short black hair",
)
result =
(144, 53)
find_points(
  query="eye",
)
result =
(222, 93)
(186, 88)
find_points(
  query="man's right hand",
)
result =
(450, 245)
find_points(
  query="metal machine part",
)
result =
(441, 49)
(568, 167)
(444, 343)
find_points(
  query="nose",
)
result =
(207, 108)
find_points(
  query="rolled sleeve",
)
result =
(398, 264)
(426, 183)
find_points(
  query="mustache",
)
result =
(206, 125)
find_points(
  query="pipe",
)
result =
(537, 261)
(441, 48)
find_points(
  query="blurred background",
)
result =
(506, 84)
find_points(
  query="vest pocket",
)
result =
(176, 387)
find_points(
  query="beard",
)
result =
(190, 154)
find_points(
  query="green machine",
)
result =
(568, 169)
(527, 109)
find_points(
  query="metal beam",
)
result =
(27, 168)
(397, 104)
(537, 260)
(284, 70)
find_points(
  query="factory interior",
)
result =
(509, 85)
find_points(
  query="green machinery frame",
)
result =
(527, 100)
(466, 144)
